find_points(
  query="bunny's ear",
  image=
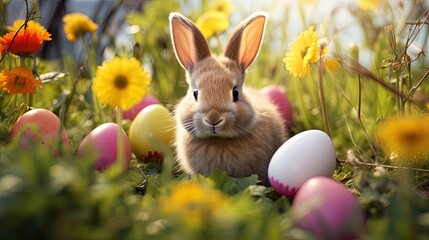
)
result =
(189, 43)
(244, 44)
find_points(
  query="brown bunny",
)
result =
(220, 124)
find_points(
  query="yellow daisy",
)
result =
(405, 139)
(19, 80)
(121, 83)
(76, 24)
(193, 201)
(304, 50)
(212, 22)
(222, 6)
(369, 5)
(41, 30)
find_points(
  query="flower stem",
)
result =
(301, 103)
(90, 62)
(409, 84)
(322, 96)
(400, 100)
(25, 96)
(115, 171)
(25, 100)
(120, 141)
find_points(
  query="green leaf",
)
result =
(231, 185)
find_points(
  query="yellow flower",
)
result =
(121, 83)
(42, 32)
(212, 22)
(331, 64)
(193, 201)
(222, 6)
(405, 139)
(76, 24)
(19, 80)
(304, 50)
(369, 5)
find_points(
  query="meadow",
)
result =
(356, 70)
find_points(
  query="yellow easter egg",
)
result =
(152, 130)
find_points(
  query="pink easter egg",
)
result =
(41, 127)
(278, 96)
(130, 114)
(104, 141)
(328, 210)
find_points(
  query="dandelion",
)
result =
(193, 200)
(27, 41)
(212, 22)
(405, 139)
(76, 24)
(19, 80)
(369, 5)
(121, 83)
(222, 6)
(304, 50)
(43, 33)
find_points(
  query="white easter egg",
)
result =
(307, 154)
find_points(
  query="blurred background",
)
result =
(111, 15)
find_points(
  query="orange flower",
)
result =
(26, 42)
(19, 80)
(45, 35)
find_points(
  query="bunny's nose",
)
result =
(214, 123)
(213, 118)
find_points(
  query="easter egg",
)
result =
(307, 154)
(328, 210)
(278, 96)
(130, 114)
(41, 127)
(151, 131)
(104, 141)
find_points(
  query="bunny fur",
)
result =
(220, 123)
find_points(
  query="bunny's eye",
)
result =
(235, 94)
(196, 94)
